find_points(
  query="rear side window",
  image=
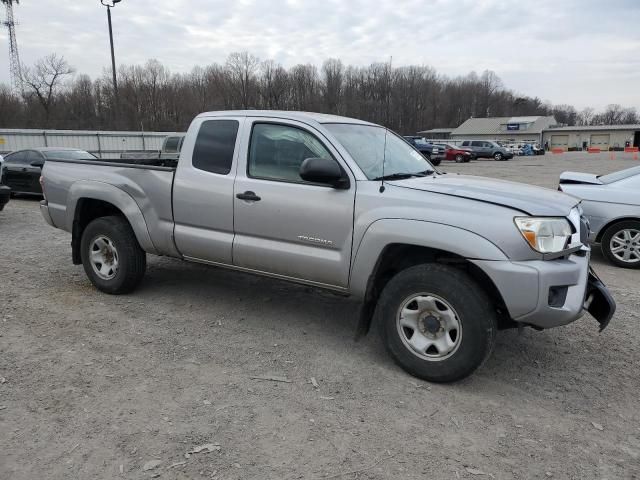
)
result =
(215, 145)
(465, 143)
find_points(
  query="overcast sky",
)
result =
(580, 52)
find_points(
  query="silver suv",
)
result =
(487, 149)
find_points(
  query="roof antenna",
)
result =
(384, 157)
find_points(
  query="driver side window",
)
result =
(276, 152)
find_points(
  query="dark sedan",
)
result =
(21, 169)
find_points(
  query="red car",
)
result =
(457, 154)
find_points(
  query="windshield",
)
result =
(621, 175)
(421, 141)
(68, 155)
(368, 145)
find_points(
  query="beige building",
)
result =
(604, 137)
(519, 130)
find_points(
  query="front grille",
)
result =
(584, 230)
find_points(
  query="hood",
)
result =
(577, 177)
(519, 196)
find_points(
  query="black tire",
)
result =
(436, 162)
(132, 260)
(498, 157)
(473, 308)
(612, 231)
(459, 158)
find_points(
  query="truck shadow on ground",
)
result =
(320, 319)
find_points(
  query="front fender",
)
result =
(115, 196)
(385, 232)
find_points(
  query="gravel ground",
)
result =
(97, 386)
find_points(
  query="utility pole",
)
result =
(110, 4)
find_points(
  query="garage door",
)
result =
(601, 141)
(560, 141)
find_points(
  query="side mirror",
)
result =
(324, 170)
(37, 163)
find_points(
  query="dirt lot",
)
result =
(96, 386)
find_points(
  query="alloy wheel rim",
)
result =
(429, 327)
(625, 245)
(104, 257)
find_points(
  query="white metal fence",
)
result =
(103, 144)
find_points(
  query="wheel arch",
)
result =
(387, 259)
(605, 227)
(90, 200)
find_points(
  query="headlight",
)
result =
(545, 234)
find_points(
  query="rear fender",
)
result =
(118, 198)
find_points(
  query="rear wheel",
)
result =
(111, 255)
(437, 323)
(621, 244)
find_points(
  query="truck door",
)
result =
(285, 226)
(203, 190)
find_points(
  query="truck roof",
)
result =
(289, 115)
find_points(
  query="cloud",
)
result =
(575, 51)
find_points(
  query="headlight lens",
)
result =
(545, 234)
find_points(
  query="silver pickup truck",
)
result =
(441, 261)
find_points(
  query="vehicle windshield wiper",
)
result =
(402, 176)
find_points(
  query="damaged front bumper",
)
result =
(551, 293)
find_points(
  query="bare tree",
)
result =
(242, 68)
(44, 80)
(406, 98)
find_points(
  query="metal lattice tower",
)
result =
(14, 57)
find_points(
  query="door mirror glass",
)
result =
(323, 170)
(37, 163)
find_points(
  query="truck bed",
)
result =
(143, 189)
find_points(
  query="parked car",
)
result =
(457, 154)
(487, 149)
(433, 153)
(5, 195)
(611, 203)
(21, 169)
(442, 260)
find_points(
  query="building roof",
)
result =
(577, 128)
(438, 130)
(498, 125)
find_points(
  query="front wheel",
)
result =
(621, 244)
(498, 157)
(459, 158)
(111, 255)
(437, 323)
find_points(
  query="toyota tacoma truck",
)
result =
(439, 261)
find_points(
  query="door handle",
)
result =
(248, 195)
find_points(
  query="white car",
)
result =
(611, 203)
